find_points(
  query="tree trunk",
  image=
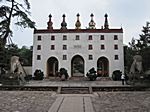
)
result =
(4, 39)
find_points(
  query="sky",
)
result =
(131, 15)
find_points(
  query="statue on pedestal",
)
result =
(17, 69)
(136, 68)
(16, 75)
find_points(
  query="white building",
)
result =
(78, 50)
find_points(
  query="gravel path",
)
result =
(26, 101)
(122, 102)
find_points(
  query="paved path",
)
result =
(71, 83)
(72, 104)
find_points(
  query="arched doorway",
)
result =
(77, 66)
(103, 67)
(52, 66)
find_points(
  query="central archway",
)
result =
(52, 66)
(103, 67)
(77, 66)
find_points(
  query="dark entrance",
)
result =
(77, 66)
(52, 66)
(103, 67)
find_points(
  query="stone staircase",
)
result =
(74, 90)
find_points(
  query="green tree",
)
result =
(6, 54)
(142, 46)
(11, 10)
(132, 44)
(144, 40)
(145, 52)
(25, 55)
(128, 57)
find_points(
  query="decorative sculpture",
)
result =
(16, 75)
(17, 69)
(15, 65)
(136, 68)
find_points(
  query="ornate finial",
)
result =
(106, 25)
(78, 24)
(64, 16)
(64, 24)
(78, 15)
(92, 23)
(106, 15)
(50, 23)
(50, 16)
(92, 15)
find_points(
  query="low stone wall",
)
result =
(28, 70)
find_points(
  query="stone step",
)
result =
(78, 78)
(75, 90)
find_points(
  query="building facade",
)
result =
(78, 50)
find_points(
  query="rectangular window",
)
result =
(115, 37)
(64, 37)
(39, 37)
(38, 57)
(52, 37)
(38, 47)
(90, 57)
(116, 57)
(64, 57)
(102, 47)
(52, 47)
(102, 37)
(90, 47)
(77, 37)
(115, 46)
(64, 47)
(90, 37)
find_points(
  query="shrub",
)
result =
(38, 75)
(116, 76)
(63, 74)
(92, 74)
(28, 77)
